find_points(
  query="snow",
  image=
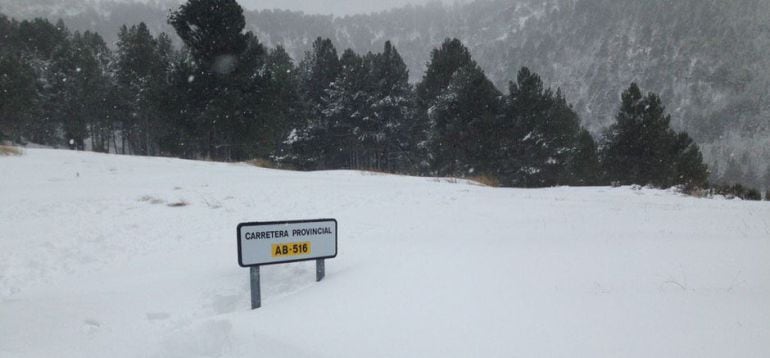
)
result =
(95, 262)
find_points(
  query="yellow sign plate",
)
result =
(291, 249)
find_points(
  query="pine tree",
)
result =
(213, 31)
(318, 70)
(344, 114)
(392, 109)
(242, 106)
(142, 67)
(220, 82)
(360, 120)
(27, 51)
(283, 103)
(78, 86)
(8, 34)
(461, 124)
(40, 39)
(642, 148)
(309, 144)
(583, 167)
(444, 63)
(181, 109)
(18, 98)
(541, 141)
(689, 167)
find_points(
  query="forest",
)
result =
(226, 96)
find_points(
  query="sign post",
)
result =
(278, 242)
(256, 298)
(320, 270)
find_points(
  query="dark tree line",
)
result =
(225, 96)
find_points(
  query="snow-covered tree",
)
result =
(392, 113)
(362, 118)
(318, 69)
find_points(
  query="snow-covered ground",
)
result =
(94, 262)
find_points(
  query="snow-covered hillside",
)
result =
(96, 261)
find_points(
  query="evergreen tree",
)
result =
(181, 108)
(18, 98)
(40, 39)
(168, 105)
(245, 103)
(444, 63)
(283, 102)
(461, 124)
(392, 110)
(583, 168)
(142, 67)
(221, 83)
(319, 68)
(345, 113)
(689, 167)
(541, 141)
(27, 50)
(309, 144)
(360, 121)
(78, 84)
(8, 32)
(642, 148)
(213, 32)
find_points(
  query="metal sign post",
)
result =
(278, 242)
(320, 270)
(256, 297)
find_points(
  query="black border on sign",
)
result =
(260, 223)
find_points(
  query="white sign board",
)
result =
(279, 242)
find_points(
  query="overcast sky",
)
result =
(336, 7)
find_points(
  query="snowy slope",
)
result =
(94, 263)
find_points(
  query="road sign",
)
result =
(277, 242)
(269, 243)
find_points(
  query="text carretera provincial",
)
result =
(275, 234)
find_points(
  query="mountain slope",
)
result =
(94, 262)
(709, 60)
